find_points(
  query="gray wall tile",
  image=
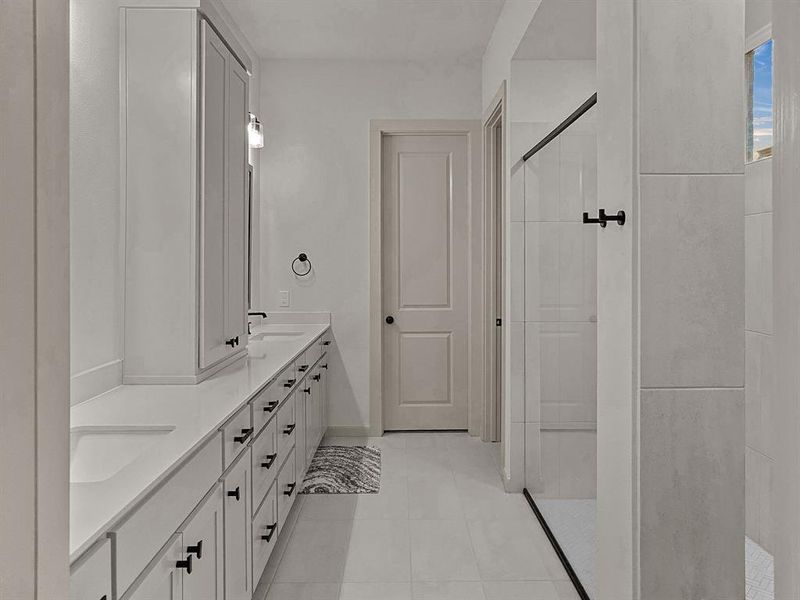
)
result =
(692, 494)
(692, 283)
(690, 108)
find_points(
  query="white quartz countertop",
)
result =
(195, 411)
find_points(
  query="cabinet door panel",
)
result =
(162, 580)
(238, 566)
(91, 579)
(236, 208)
(202, 539)
(213, 188)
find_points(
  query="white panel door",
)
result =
(236, 205)
(202, 540)
(163, 579)
(213, 189)
(425, 204)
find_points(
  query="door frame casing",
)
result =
(496, 115)
(472, 129)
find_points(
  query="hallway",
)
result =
(442, 527)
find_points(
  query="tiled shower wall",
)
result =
(553, 309)
(759, 451)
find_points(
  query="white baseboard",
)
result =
(346, 431)
(95, 381)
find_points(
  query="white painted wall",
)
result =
(508, 33)
(315, 189)
(548, 91)
(95, 212)
(96, 216)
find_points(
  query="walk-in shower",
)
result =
(560, 185)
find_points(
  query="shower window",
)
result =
(758, 65)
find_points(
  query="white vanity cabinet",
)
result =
(238, 550)
(184, 103)
(163, 577)
(202, 535)
(90, 578)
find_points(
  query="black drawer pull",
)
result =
(185, 564)
(235, 494)
(317, 377)
(289, 383)
(270, 458)
(302, 368)
(197, 549)
(326, 343)
(325, 366)
(246, 433)
(233, 342)
(289, 429)
(270, 531)
(290, 489)
(271, 406)
(307, 390)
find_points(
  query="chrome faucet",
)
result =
(256, 313)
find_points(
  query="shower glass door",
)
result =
(560, 184)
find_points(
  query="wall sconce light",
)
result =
(255, 132)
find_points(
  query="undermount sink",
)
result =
(277, 335)
(97, 453)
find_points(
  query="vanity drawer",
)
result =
(284, 383)
(265, 405)
(304, 363)
(138, 538)
(287, 424)
(265, 533)
(325, 342)
(287, 489)
(236, 434)
(265, 462)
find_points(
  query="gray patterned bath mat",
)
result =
(344, 470)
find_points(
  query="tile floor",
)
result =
(441, 528)
(573, 524)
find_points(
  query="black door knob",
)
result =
(389, 320)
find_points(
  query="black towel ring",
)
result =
(303, 258)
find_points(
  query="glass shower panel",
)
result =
(560, 184)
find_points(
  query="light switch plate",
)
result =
(284, 298)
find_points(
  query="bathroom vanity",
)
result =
(181, 491)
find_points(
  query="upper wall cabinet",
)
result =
(184, 103)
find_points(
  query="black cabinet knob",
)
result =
(325, 366)
(326, 343)
(269, 459)
(241, 439)
(231, 342)
(270, 531)
(197, 549)
(302, 368)
(289, 429)
(307, 390)
(317, 377)
(389, 320)
(289, 383)
(290, 489)
(271, 406)
(185, 564)
(235, 494)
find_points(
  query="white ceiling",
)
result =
(367, 29)
(561, 30)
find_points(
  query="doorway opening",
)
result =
(494, 157)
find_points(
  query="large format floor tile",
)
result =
(441, 528)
